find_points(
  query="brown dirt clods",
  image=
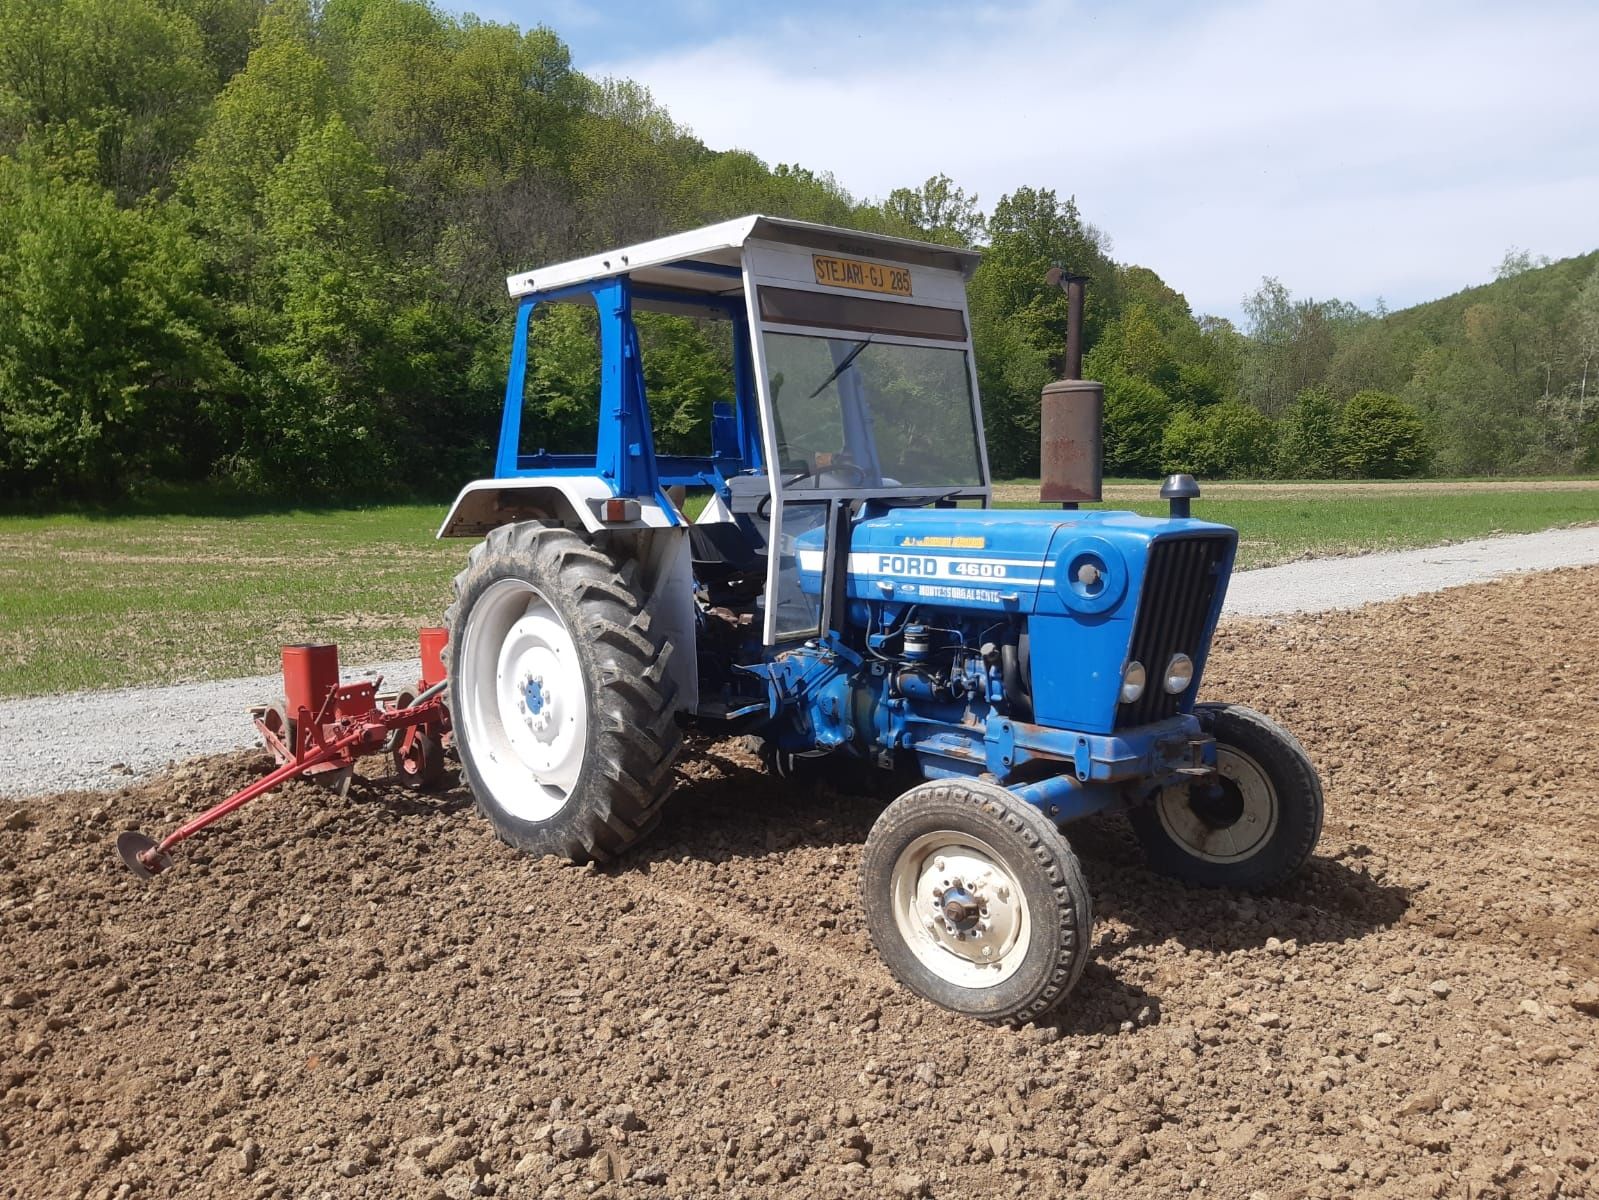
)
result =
(372, 997)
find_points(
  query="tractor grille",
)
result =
(1179, 587)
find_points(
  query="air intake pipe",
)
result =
(1072, 412)
(1178, 491)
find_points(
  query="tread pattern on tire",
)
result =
(633, 736)
(1281, 859)
(1072, 927)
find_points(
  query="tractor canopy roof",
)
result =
(710, 259)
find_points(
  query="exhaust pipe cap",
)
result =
(1178, 490)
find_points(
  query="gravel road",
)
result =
(1324, 584)
(98, 740)
(92, 741)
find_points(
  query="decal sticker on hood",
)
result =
(945, 542)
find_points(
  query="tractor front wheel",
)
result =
(560, 694)
(975, 901)
(1252, 828)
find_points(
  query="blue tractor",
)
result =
(848, 594)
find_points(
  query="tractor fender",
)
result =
(657, 540)
(573, 501)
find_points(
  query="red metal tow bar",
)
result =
(323, 727)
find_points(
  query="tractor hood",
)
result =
(1078, 578)
(1006, 560)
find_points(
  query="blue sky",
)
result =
(1356, 148)
(599, 31)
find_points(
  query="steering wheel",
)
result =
(856, 478)
(763, 506)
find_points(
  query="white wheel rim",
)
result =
(1236, 840)
(521, 700)
(960, 909)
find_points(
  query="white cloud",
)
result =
(1354, 149)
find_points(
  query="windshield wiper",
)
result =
(841, 368)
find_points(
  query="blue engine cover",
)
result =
(1077, 576)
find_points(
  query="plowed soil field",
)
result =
(372, 997)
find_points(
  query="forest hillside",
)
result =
(264, 246)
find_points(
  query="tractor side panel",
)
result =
(989, 559)
(1077, 667)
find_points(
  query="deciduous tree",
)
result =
(1382, 437)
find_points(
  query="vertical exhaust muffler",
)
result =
(1072, 414)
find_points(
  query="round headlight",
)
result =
(1132, 681)
(1179, 674)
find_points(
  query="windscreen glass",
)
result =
(859, 414)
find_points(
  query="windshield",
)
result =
(857, 413)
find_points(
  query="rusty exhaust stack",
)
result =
(1071, 451)
(1074, 318)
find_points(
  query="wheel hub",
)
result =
(531, 682)
(1228, 821)
(539, 706)
(1220, 805)
(960, 909)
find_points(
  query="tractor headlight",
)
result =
(1132, 681)
(1179, 674)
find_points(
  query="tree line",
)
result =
(264, 244)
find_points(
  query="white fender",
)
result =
(571, 500)
(657, 538)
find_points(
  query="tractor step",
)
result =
(719, 710)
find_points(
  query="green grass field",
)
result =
(93, 602)
(90, 602)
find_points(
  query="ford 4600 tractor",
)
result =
(848, 593)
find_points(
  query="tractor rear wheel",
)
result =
(1255, 826)
(560, 694)
(975, 901)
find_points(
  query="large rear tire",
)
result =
(976, 902)
(560, 696)
(1256, 826)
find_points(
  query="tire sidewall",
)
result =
(1041, 979)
